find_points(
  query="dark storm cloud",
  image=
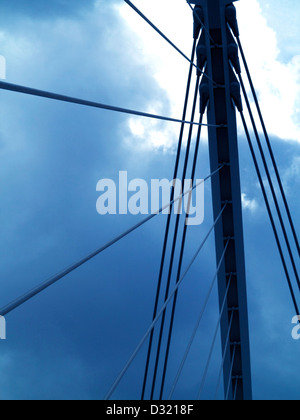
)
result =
(55, 154)
(72, 341)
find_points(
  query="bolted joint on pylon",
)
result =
(204, 95)
(233, 52)
(198, 20)
(235, 91)
(230, 13)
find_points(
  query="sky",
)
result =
(72, 341)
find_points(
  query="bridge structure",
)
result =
(219, 63)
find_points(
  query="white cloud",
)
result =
(249, 204)
(169, 69)
(277, 83)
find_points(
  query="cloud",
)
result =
(249, 204)
(277, 82)
(167, 67)
(79, 334)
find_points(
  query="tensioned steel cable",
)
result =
(174, 242)
(62, 98)
(43, 286)
(167, 39)
(169, 219)
(180, 262)
(196, 329)
(235, 388)
(163, 308)
(261, 182)
(224, 357)
(231, 370)
(269, 145)
(216, 329)
(270, 181)
(202, 24)
(211, 350)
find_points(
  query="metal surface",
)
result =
(223, 148)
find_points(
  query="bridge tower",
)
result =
(221, 55)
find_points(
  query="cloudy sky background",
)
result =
(72, 341)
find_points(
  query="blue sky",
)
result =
(72, 341)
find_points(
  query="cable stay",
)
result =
(231, 369)
(235, 32)
(159, 314)
(182, 248)
(215, 334)
(21, 300)
(196, 14)
(196, 35)
(174, 242)
(270, 181)
(223, 359)
(167, 39)
(211, 351)
(269, 145)
(229, 312)
(62, 98)
(169, 217)
(261, 182)
(197, 327)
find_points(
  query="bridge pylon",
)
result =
(218, 48)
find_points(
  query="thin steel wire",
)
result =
(183, 361)
(167, 39)
(269, 145)
(174, 242)
(261, 182)
(21, 300)
(163, 308)
(278, 210)
(159, 283)
(224, 356)
(62, 98)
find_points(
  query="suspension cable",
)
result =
(180, 260)
(196, 329)
(231, 370)
(269, 211)
(224, 357)
(168, 220)
(21, 300)
(163, 308)
(49, 95)
(235, 388)
(203, 25)
(187, 154)
(270, 181)
(211, 350)
(216, 330)
(167, 39)
(269, 145)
